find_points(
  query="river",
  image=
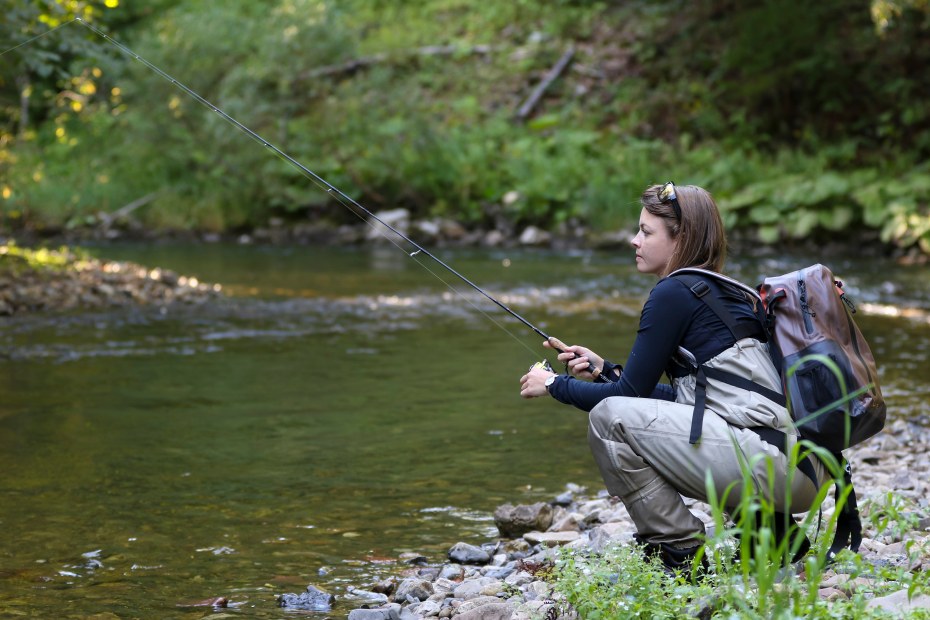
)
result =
(339, 408)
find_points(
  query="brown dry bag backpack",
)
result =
(829, 374)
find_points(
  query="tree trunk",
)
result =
(25, 89)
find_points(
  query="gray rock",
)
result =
(514, 521)
(494, 238)
(532, 235)
(314, 599)
(519, 579)
(428, 229)
(399, 219)
(517, 549)
(489, 611)
(498, 572)
(567, 522)
(364, 596)
(415, 588)
(463, 553)
(473, 588)
(551, 539)
(382, 613)
(452, 572)
(444, 587)
(899, 602)
(475, 604)
(429, 608)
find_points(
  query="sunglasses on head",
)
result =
(667, 194)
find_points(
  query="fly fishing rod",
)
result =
(339, 196)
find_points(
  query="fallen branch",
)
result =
(106, 219)
(530, 104)
(351, 66)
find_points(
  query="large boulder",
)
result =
(515, 521)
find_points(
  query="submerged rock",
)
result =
(314, 599)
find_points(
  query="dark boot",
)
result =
(675, 560)
(786, 526)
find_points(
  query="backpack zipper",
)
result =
(846, 300)
(805, 308)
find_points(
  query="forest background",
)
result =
(808, 121)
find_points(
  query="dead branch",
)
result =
(351, 66)
(553, 74)
(107, 219)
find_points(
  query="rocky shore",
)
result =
(62, 280)
(505, 579)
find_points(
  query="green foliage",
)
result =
(890, 515)
(793, 204)
(621, 583)
(752, 101)
(14, 258)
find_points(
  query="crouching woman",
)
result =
(655, 442)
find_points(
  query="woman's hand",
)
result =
(533, 383)
(577, 359)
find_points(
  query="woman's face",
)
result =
(654, 246)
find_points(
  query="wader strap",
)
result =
(745, 384)
(700, 396)
(779, 439)
(848, 524)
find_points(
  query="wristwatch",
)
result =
(550, 381)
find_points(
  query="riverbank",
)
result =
(62, 280)
(66, 279)
(517, 576)
(442, 232)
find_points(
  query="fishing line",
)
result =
(343, 199)
(28, 41)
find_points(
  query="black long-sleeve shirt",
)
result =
(672, 316)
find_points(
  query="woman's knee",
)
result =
(606, 419)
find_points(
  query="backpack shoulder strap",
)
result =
(696, 281)
(745, 288)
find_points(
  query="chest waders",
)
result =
(756, 375)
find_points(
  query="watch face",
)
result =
(550, 380)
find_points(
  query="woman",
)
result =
(640, 431)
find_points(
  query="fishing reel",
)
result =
(545, 365)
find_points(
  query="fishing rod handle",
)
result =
(560, 346)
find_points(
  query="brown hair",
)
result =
(701, 240)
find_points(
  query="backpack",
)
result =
(828, 373)
(810, 322)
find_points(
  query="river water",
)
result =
(337, 410)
